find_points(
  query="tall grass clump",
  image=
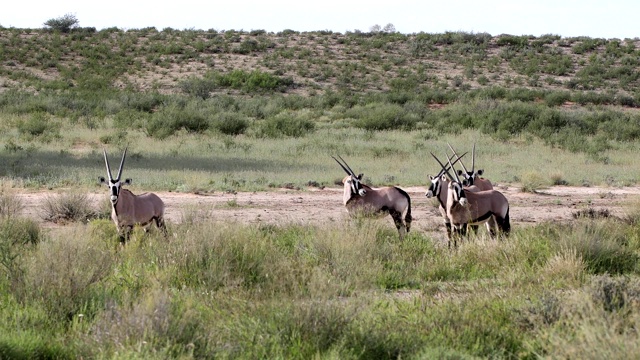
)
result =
(68, 207)
(66, 277)
(17, 237)
(603, 246)
(598, 321)
(11, 205)
(532, 182)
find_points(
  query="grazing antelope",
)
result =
(473, 177)
(359, 198)
(127, 209)
(475, 208)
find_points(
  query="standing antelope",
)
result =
(439, 182)
(359, 198)
(475, 208)
(473, 177)
(127, 209)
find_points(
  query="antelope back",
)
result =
(487, 202)
(138, 209)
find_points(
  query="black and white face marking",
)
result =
(356, 185)
(435, 187)
(114, 188)
(458, 193)
(354, 181)
(470, 176)
(114, 185)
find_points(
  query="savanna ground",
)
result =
(322, 206)
(235, 131)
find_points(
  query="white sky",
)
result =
(567, 18)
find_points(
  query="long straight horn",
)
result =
(459, 157)
(342, 166)
(106, 161)
(122, 163)
(445, 169)
(473, 158)
(347, 165)
(455, 173)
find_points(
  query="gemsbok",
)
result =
(359, 198)
(127, 209)
(439, 182)
(473, 177)
(475, 208)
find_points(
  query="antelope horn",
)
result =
(455, 173)
(444, 170)
(122, 163)
(347, 165)
(106, 161)
(342, 166)
(454, 153)
(447, 167)
(473, 158)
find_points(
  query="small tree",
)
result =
(389, 28)
(63, 24)
(375, 29)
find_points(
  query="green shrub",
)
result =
(131, 119)
(197, 87)
(19, 231)
(170, 119)
(614, 293)
(557, 98)
(254, 81)
(230, 123)
(286, 123)
(375, 117)
(63, 24)
(38, 125)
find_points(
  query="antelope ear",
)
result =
(360, 176)
(460, 172)
(480, 172)
(101, 180)
(127, 181)
(444, 177)
(465, 182)
(430, 177)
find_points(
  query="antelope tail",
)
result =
(407, 218)
(503, 223)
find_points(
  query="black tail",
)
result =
(503, 224)
(407, 218)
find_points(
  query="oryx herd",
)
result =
(464, 203)
(467, 202)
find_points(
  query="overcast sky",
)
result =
(567, 18)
